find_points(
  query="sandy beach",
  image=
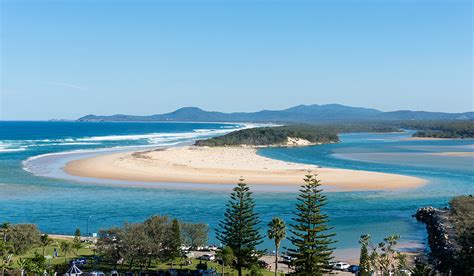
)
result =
(225, 165)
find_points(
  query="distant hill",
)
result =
(297, 114)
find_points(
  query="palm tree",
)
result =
(22, 264)
(45, 241)
(226, 255)
(276, 232)
(65, 248)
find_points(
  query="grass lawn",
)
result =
(87, 252)
(83, 252)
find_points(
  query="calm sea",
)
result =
(34, 189)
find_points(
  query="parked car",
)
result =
(96, 273)
(212, 247)
(207, 257)
(79, 262)
(353, 268)
(114, 273)
(341, 266)
(287, 258)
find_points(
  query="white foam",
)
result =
(10, 147)
(33, 164)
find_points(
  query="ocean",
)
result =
(34, 189)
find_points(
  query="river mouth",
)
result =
(49, 202)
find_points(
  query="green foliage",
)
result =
(256, 270)
(420, 269)
(327, 133)
(226, 255)
(44, 241)
(5, 229)
(195, 234)
(173, 246)
(442, 129)
(239, 229)
(383, 259)
(312, 251)
(277, 232)
(264, 136)
(37, 264)
(463, 218)
(139, 244)
(66, 248)
(364, 260)
(22, 237)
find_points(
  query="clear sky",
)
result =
(65, 59)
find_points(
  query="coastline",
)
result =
(433, 139)
(225, 165)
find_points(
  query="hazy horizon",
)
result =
(67, 59)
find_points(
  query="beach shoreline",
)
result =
(226, 165)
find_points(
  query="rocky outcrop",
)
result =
(441, 236)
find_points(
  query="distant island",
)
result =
(297, 114)
(293, 135)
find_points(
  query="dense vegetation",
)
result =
(157, 239)
(327, 133)
(463, 219)
(442, 129)
(263, 136)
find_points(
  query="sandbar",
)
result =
(226, 165)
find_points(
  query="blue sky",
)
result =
(65, 59)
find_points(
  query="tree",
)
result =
(421, 269)
(156, 228)
(23, 237)
(364, 260)
(22, 265)
(384, 258)
(195, 234)
(134, 243)
(44, 241)
(110, 246)
(5, 255)
(65, 247)
(312, 251)
(76, 243)
(276, 232)
(37, 264)
(5, 229)
(385, 255)
(77, 235)
(174, 242)
(226, 255)
(239, 229)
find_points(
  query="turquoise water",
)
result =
(29, 194)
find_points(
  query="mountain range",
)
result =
(296, 114)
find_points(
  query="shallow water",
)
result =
(62, 205)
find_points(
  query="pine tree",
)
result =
(239, 229)
(364, 261)
(175, 242)
(312, 251)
